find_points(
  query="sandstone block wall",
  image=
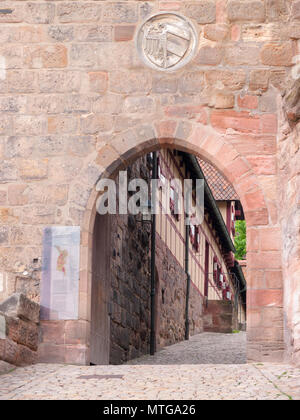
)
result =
(219, 317)
(19, 318)
(130, 288)
(76, 101)
(289, 156)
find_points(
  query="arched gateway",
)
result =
(264, 298)
(87, 87)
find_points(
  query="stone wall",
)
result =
(76, 102)
(130, 280)
(130, 288)
(289, 165)
(219, 317)
(19, 333)
(171, 299)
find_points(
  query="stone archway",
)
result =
(265, 287)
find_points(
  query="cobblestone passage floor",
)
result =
(206, 348)
(198, 376)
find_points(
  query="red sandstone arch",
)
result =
(265, 339)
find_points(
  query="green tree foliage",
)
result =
(240, 239)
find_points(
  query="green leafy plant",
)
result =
(240, 240)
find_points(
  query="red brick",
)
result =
(237, 168)
(248, 101)
(98, 81)
(277, 54)
(223, 100)
(76, 332)
(263, 165)
(254, 200)
(257, 298)
(210, 55)
(124, 32)
(166, 129)
(272, 316)
(257, 217)
(216, 32)
(253, 144)
(221, 15)
(269, 123)
(239, 121)
(267, 335)
(241, 55)
(242, 11)
(228, 151)
(259, 80)
(254, 318)
(256, 279)
(185, 111)
(192, 82)
(270, 239)
(274, 279)
(231, 80)
(76, 355)
(264, 260)
(169, 5)
(252, 240)
(235, 33)
(51, 353)
(295, 13)
(53, 332)
(202, 12)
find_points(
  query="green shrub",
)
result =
(240, 240)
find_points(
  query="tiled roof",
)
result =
(220, 187)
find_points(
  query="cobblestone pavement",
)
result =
(159, 381)
(206, 348)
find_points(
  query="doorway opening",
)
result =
(121, 288)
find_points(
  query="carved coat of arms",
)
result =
(166, 41)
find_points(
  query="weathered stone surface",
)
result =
(49, 56)
(277, 54)
(124, 32)
(292, 102)
(218, 317)
(240, 10)
(71, 83)
(39, 13)
(277, 10)
(78, 12)
(259, 80)
(216, 32)
(202, 12)
(18, 305)
(98, 82)
(5, 367)
(242, 55)
(93, 33)
(163, 84)
(295, 12)
(221, 79)
(120, 12)
(210, 56)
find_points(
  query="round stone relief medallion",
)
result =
(166, 41)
